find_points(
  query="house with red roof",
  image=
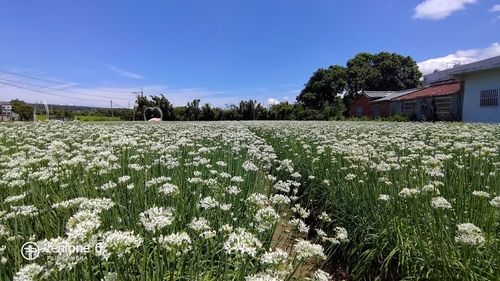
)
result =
(439, 102)
(375, 103)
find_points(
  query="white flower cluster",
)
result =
(118, 243)
(179, 243)
(243, 243)
(156, 218)
(306, 250)
(440, 203)
(469, 234)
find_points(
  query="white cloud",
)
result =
(124, 73)
(272, 101)
(495, 8)
(460, 57)
(439, 9)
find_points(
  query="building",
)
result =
(481, 86)
(375, 103)
(5, 111)
(384, 107)
(439, 102)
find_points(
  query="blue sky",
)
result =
(222, 51)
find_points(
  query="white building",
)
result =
(5, 111)
(481, 88)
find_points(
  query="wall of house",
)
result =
(361, 107)
(474, 83)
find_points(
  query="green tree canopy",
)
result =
(24, 110)
(323, 87)
(382, 72)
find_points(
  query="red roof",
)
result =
(439, 90)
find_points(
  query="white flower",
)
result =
(300, 225)
(111, 276)
(242, 242)
(274, 257)
(320, 275)
(469, 234)
(233, 190)
(249, 166)
(199, 224)
(180, 243)
(123, 179)
(82, 224)
(302, 212)
(440, 203)
(28, 272)
(278, 199)
(305, 250)
(481, 194)
(3, 230)
(22, 211)
(384, 197)
(15, 198)
(107, 186)
(325, 217)
(409, 192)
(495, 202)
(156, 218)
(168, 189)
(258, 199)
(237, 179)
(208, 203)
(262, 277)
(266, 218)
(282, 186)
(118, 243)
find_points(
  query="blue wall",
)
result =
(474, 83)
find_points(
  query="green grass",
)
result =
(403, 237)
(64, 161)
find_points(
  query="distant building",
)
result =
(441, 102)
(375, 103)
(481, 86)
(5, 111)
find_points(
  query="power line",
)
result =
(58, 82)
(50, 94)
(62, 90)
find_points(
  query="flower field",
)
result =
(249, 201)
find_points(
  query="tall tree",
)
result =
(24, 110)
(165, 106)
(193, 111)
(382, 72)
(323, 87)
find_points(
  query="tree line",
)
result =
(327, 95)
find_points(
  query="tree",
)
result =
(323, 87)
(382, 72)
(207, 113)
(193, 111)
(24, 110)
(165, 106)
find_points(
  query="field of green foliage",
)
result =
(249, 201)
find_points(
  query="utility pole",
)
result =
(111, 101)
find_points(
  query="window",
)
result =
(359, 111)
(488, 98)
(443, 104)
(409, 108)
